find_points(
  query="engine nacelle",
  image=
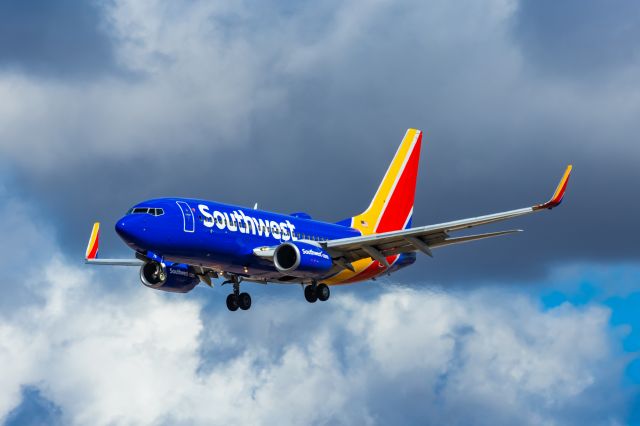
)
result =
(173, 277)
(301, 259)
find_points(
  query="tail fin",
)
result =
(392, 206)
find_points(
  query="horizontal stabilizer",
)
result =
(91, 255)
(115, 262)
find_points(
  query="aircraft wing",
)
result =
(425, 238)
(91, 255)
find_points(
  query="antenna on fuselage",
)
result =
(255, 206)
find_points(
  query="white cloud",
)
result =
(141, 357)
(205, 70)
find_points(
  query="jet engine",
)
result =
(172, 277)
(301, 259)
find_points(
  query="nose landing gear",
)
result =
(236, 299)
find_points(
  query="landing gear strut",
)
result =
(315, 291)
(236, 299)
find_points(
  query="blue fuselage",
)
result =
(218, 236)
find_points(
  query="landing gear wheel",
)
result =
(244, 301)
(323, 293)
(232, 302)
(310, 293)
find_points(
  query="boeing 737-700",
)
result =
(180, 242)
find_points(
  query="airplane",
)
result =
(181, 242)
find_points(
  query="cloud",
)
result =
(241, 104)
(63, 40)
(579, 40)
(142, 357)
(139, 356)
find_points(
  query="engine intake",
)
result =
(173, 277)
(301, 259)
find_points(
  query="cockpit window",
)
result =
(146, 210)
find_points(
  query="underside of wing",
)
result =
(380, 250)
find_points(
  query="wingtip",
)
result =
(558, 195)
(94, 242)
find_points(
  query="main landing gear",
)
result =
(236, 299)
(315, 291)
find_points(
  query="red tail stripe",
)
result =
(94, 250)
(402, 199)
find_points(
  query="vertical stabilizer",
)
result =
(392, 206)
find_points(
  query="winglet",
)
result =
(556, 199)
(92, 247)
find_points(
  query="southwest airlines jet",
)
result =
(180, 242)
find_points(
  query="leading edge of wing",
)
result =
(352, 243)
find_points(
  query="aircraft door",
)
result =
(187, 216)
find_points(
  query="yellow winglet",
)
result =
(556, 199)
(94, 240)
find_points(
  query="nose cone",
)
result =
(131, 229)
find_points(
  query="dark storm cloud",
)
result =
(62, 38)
(579, 38)
(494, 140)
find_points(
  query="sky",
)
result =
(299, 106)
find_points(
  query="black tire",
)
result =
(232, 302)
(244, 301)
(310, 294)
(323, 292)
